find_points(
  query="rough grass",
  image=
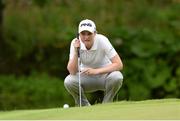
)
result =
(149, 109)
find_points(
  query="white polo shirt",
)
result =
(98, 56)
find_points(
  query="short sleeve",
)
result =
(109, 49)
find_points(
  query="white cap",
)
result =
(87, 25)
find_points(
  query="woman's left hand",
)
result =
(90, 71)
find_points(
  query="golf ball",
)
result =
(66, 106)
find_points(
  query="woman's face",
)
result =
(87, 38)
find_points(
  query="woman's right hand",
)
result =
(76, 44)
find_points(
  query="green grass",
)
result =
(149, 109)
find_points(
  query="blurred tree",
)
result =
(1, 25)
(37, 35)
(1, 18)
(41, 3)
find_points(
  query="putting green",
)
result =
(148, 109)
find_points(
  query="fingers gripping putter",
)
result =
(79, 72)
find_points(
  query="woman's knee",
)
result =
(68, 80)
(116, 78)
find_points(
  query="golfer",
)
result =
(100, 65)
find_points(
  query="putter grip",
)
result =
(78, 51)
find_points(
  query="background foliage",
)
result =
(36, 35)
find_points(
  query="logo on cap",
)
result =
(86, 24)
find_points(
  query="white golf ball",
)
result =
(66, 106)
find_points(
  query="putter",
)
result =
(79, 72)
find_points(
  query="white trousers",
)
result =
(109, 83)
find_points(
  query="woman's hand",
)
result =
(76, 44)
(90, 71)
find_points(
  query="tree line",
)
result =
(36, 34)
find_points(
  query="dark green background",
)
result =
(35, 36)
